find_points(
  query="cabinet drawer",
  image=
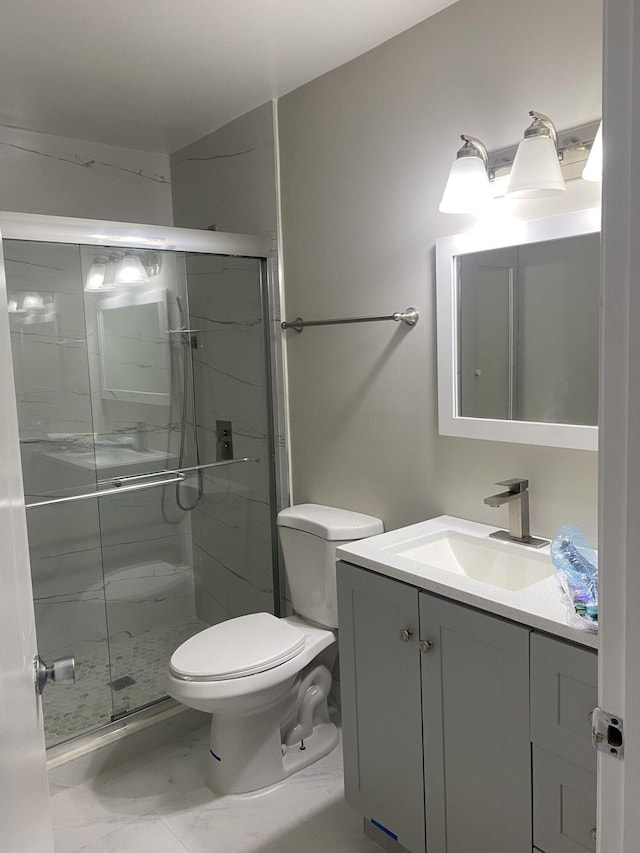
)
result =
(564, 691)
(564, 797)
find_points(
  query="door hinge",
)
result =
(607, 732)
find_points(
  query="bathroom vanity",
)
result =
(466, 705)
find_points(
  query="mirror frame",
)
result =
(501, 235)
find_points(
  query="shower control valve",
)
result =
(61, 671)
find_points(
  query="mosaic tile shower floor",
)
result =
(71, 710)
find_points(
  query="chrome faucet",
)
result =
(518, 499)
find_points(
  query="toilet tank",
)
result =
(309, 535)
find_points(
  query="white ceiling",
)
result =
(158, 74)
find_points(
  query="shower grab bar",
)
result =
(179, 475)
(410, 317)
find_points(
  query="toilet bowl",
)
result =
(266, 680)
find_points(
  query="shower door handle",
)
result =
(61, 671)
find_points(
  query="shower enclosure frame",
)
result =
(66, 230)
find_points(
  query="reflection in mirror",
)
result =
(518, 332)
(134, 347)
(528, 332)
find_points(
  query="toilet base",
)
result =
(323, 741)
(247, 754)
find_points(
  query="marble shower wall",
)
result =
(228, 179)
(232, 524)
(54, 175)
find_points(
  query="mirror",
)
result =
(518, 323)
(134, 347)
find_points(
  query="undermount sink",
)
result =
(507, 565)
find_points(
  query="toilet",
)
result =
(265, 680)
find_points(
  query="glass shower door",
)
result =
(50, 360)
(138, 365)
(133, 368)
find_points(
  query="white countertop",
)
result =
(539, 605)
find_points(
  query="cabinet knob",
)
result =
(405, 634)
(425, 646)
(594, 834)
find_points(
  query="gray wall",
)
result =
(55, 175)
(365, 151)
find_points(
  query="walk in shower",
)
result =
(142, 367)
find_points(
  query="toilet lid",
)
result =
(242, 646)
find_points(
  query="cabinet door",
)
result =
(477, 762)
(381, 707)
(564, 692)
(564, 805)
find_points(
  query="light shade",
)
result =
(593, 167)
(131, 271)
(31, 302)
(95, 276)
(536, 169)
(467, 189)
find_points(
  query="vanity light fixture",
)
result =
(593, 167)
(31, 302)
(536, 169)
(467, 189)
(131, 270)
(30, 307)
(96, 277)
(122, 268)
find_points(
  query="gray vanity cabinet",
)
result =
(563, 694)
(435, 705)
(475, 694)
(381, 703)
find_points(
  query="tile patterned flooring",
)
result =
(74, 709)
(158, 803)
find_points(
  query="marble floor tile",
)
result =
(146, 835)
(159, 803)
(86, 813)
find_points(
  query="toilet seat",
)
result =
(237, 648)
